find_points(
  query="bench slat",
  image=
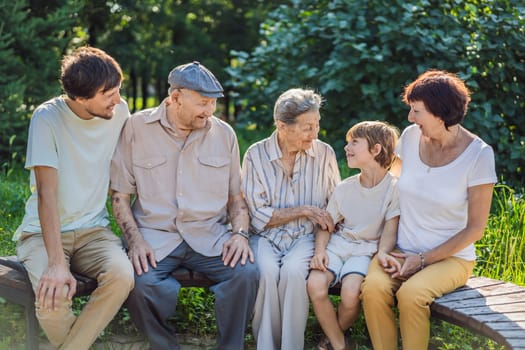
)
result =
(489, 307)
(493, 291)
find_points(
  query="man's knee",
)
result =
(119, 272)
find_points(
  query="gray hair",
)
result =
(294, 102)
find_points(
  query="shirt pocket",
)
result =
(215, 173)
(151, 175)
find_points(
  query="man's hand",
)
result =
(50, 288)
(237, 247)
(140, 253)
(320, 217)
(319, 261)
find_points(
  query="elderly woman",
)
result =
(287, 180)
(445, 190)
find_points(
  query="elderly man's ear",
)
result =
(172, 97)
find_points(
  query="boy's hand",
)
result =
(389, 263)
(319, 261)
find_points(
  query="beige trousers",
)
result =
(96, 253)
(414, 296)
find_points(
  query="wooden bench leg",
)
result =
(32, 328)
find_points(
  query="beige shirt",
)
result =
(267, 186)
(181, 188)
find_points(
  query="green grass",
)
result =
(501, 252)
(14, 191)
(501, 256)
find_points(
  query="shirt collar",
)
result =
(276, 153)
(159, 114)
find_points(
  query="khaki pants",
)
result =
(414, 296)
(96, 253)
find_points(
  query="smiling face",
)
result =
(428, 123)
(358, 153)
(300, 135)
(193, 109)
(102, 105)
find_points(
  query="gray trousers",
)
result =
(282, 304)
(154, 298)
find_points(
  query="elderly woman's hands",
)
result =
(320, 217)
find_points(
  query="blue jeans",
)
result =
(154, 298)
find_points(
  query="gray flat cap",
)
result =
(194, 76)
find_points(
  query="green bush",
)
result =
(360, 54)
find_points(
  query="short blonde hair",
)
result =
(377, 132)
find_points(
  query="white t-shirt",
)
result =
(81, 151)
(434, 200)
(363, 212)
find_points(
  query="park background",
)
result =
(358, 54)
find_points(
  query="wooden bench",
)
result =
(16, 288)
(492, 308)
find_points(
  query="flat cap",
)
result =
(194, 76)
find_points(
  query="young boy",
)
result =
(366, 206)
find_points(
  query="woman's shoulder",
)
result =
(477, 144)
(412, 131)
(264, 143)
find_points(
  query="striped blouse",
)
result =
(267, 187)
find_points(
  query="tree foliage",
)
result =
(147, 37)
(151, 37)
(31, 44)
(360, 54)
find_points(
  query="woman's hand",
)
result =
(410, 265)
(320, 217)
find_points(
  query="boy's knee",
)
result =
(316, 286)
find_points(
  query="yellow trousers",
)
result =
(380, 292)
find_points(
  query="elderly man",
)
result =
(182, 166)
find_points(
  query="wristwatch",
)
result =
(243, 233)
